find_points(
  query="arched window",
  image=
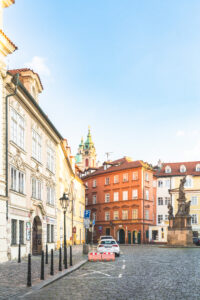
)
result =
(86, 162)
(189, 182)
(198, 167)
(182, 169)
(168, 169)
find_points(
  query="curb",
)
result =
(49, 281)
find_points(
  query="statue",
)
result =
(181, 189)
(170, 211)
(187, 208)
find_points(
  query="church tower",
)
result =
(86, 156)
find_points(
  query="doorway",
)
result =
(121, 236)
(37, 236)
(129, 237)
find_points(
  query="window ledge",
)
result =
(52, 172)
(18, 193)
(35, 160)
(17, 146)
(50, 205)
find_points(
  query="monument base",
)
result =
(180, 237)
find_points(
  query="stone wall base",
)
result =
(180, 237)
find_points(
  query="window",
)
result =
(86, 200)
(146, 176)
(182, 169)
(116, 215)
(94, 216)
(160, 183)
(167, 183)
(107, 197)
(21, 232)
(160, 201)
(94, 183)
(116, 196)
(135, 175)
(194, 200)
(36, 189)
(146, 214)
(166, 217)
(168, 169)
(107, 180)
(167, 200)
(124, 214)
(80, 211)
(94, 199)
(17, 180)
(188, 182)
(134, 194)
(86, 185)
(198, 167)
(160, 219)
(194, 219)
(116, 178)
(107, 216)
(48, 232)
(17, 128)
(125, 177)
(147, 194)
(13, 232)
(50, 159)
(36, 145)
(50, 195)
(135, 214)
(125, 195)
(52, 233)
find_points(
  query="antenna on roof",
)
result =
(108, 154)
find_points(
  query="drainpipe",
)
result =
(16, 80)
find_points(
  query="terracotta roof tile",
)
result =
(123, 165)
(175, 169)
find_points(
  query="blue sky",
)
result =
(129, 69)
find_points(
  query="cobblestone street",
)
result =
(13, 275)
(141, 272)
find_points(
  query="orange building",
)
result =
(122, 198)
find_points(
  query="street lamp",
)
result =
(64, 201)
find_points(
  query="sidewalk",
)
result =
(13, 275)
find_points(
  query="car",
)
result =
(106, 237)
(108, 245)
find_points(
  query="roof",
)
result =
(175, 169)
(5, 36)
(39, 108)
(15, 71)
(119, 165)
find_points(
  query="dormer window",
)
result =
(182, 169)
(198, 167)
(168, 169)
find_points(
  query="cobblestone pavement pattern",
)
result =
(13, 275)
(141, 272)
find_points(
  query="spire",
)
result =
(89, 142)
(82, 143)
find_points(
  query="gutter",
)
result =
(16, 81)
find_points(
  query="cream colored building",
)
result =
(32, 143)
(70, 183)
(6, 47)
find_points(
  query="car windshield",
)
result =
(108, 242)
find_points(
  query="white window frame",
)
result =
(51, 159)
(107, 180)
(116, 215)
(160, 183)
(198, 168)
(135, 194)
(17, 180)
(124, 214)
(146, 214)
(146, 176)
(116, 178)
(107, 197)
(194, 219)
(167, 200)
(147, 194)
(36, 188)
(17, 133)
(94, 183)
(125, 177)
(86, 200)
(107, 216)
(135, 176)
(168, 169)
(194, 202)
(94, 199)
(134, 213)
(160, 219)
(183, 169)
(124, 195)
(160, 201)
(116, 196)
(36, 145)
(50, 195)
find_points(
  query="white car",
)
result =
(108, 246)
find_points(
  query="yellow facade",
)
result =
(68, 182)
(192, 193)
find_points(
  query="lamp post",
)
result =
(64, 201)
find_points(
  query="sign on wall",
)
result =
(28, 231)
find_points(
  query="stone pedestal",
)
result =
(180, 231)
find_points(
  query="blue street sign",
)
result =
(93, 222)
(87, 214)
